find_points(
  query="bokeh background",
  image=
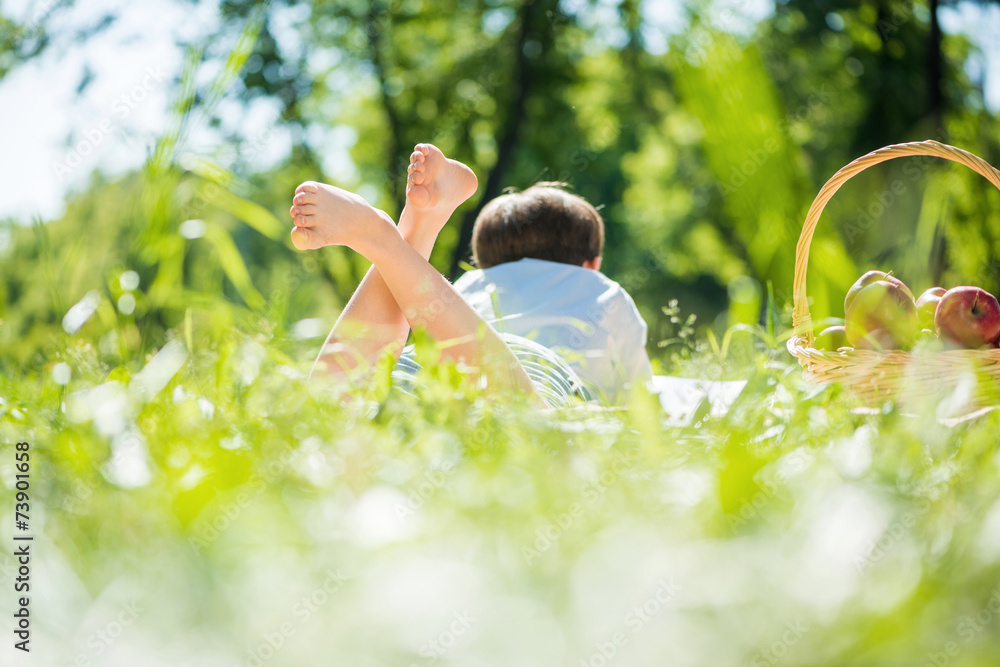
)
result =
(195, 502)
(702, 129)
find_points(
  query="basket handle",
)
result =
(801, 319)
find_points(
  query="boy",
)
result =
(539, 254)
(539, 258)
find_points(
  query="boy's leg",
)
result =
(424, 296)
(372, 322)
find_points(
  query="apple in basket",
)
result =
(927, 304)
(832, 338)
(882, 315)
(870, 277)
(968, 317)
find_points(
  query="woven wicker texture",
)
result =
(881, 374)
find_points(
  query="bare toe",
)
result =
(308, 186)
(417, 178)
(416, 156)
(418, 194)
(305, 221)
(303, 210)
(305, 198)
(425, 149)
(304, 239)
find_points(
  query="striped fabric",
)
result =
(553, 379)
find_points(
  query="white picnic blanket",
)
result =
(681, 397)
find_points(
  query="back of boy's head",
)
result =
(543, 222)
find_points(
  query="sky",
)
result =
(52, 139)
(126, 101)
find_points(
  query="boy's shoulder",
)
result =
(551, 287)
(538, 274)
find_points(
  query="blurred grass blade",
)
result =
(236, 60)
(187, 93)
(233, 265)
(218, 192)
(251, 213)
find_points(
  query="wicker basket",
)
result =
(879, 375)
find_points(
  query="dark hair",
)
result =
(542, 222)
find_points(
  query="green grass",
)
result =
(195, 502)
(237, 508)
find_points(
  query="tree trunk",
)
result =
(935, 102)
(394, 172)
(522, 82)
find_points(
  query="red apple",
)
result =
(832, 338)
(927, 304)
(879, 339)
(868, 279)
(968, 317)
(882, 315)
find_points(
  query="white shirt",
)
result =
(581, 314)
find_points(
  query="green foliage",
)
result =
(154, 343)
(212, 488)
(703, 158)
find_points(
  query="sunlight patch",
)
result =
(309, 328)
(192, 229)
(128, 466)
(78, 315)
(377, 519)
(105, 404)
(160, 370)
(61, 373)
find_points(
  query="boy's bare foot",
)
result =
(327, 215)
(436, 185)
